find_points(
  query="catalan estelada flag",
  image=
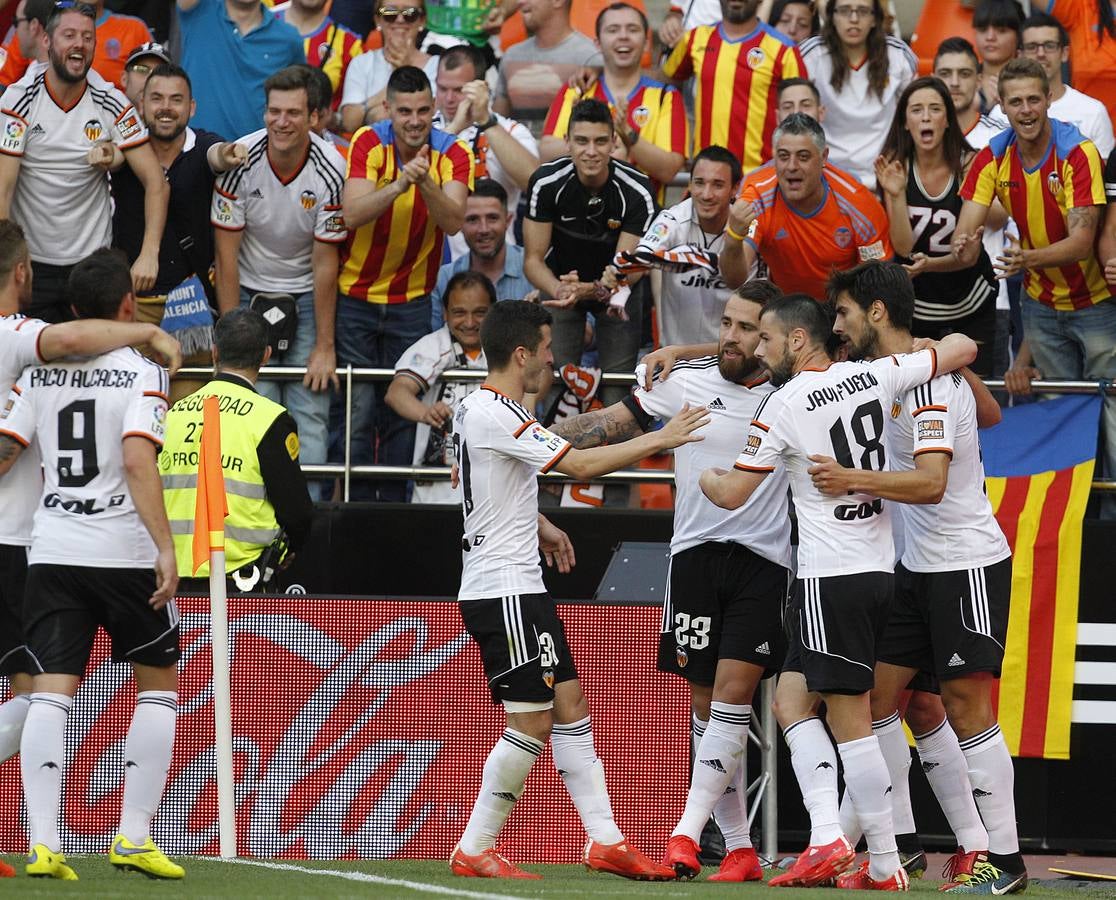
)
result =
(211, 505)
(1039, 465)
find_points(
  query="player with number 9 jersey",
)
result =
(79, 412)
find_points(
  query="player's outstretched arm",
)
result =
(586, 464)
(988, 412)
(146, 488)
(926, 483)
(611, 425)
(730, 489)
(660, 362)
(10, 449)
(92, 337)
(954, 351)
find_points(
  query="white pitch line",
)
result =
(374, 879)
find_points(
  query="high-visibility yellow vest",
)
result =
(251, 525)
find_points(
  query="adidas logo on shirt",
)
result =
(764, 648)
(780, 234)
(717, 404)
(37, 129)
(714, 764)
(956, 660)
(256, 194)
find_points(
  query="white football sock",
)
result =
(992, 777)
(897, 754)
(505, 772)
(815, 766)
(147, 757)
(12, 716)
(867, 782)
(945, 768)
(717, 760)
(42, 753)
(582, 772)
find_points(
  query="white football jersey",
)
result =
(424, 362)
(21, 486)
(281, 220)
(691, 303)
(79, 412)
(500, 449)
(857, 118)
(841, 412)
(61, 201)
(762, 524)
(960, 532)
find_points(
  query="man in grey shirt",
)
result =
(533, 71)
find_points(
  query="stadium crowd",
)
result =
(387, 191)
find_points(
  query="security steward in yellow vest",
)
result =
(265, 487)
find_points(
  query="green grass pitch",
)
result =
(399, 880)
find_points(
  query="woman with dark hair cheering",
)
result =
(920, 172)
(859, 71)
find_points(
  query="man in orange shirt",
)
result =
(25, 44)
(803, 218)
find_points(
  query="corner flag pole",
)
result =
(209, 544)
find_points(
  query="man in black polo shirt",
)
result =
(191, 160)
(581, 210)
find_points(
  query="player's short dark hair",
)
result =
(787, 83)
(468, 279)
(490, 187)
(456, 57)
(803, 311)
(241, 337)
(407, 80)
(511, 324)
(998, 14)
(758, 290)
(875, 280)
(1019, 68)
(169, 70)
(99, 283)
(718, 154)
(594, 111)
(800, 124)
(1039, 19)
(39, 10)
(957, 45)
(612, 7)
(65, 6)
(13, 247)
(292, 78)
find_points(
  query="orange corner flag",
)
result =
(211, 506)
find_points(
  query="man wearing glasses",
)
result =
(58, 124)
(1045, 40)
(229, 48)
(25, 45)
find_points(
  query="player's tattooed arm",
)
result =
(612, 425)
(10, 449)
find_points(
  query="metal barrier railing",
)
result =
(349, 375)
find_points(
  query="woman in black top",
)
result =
(920, 173)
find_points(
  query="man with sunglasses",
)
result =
(229, 48)
(25, 45)
(50, 181)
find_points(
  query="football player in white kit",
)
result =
(845, 556)
(722, 617)
(25, 342)
(952, 585)
(500, 448)
(101, 555)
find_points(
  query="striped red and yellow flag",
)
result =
(210, 505)
(1039, 465)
